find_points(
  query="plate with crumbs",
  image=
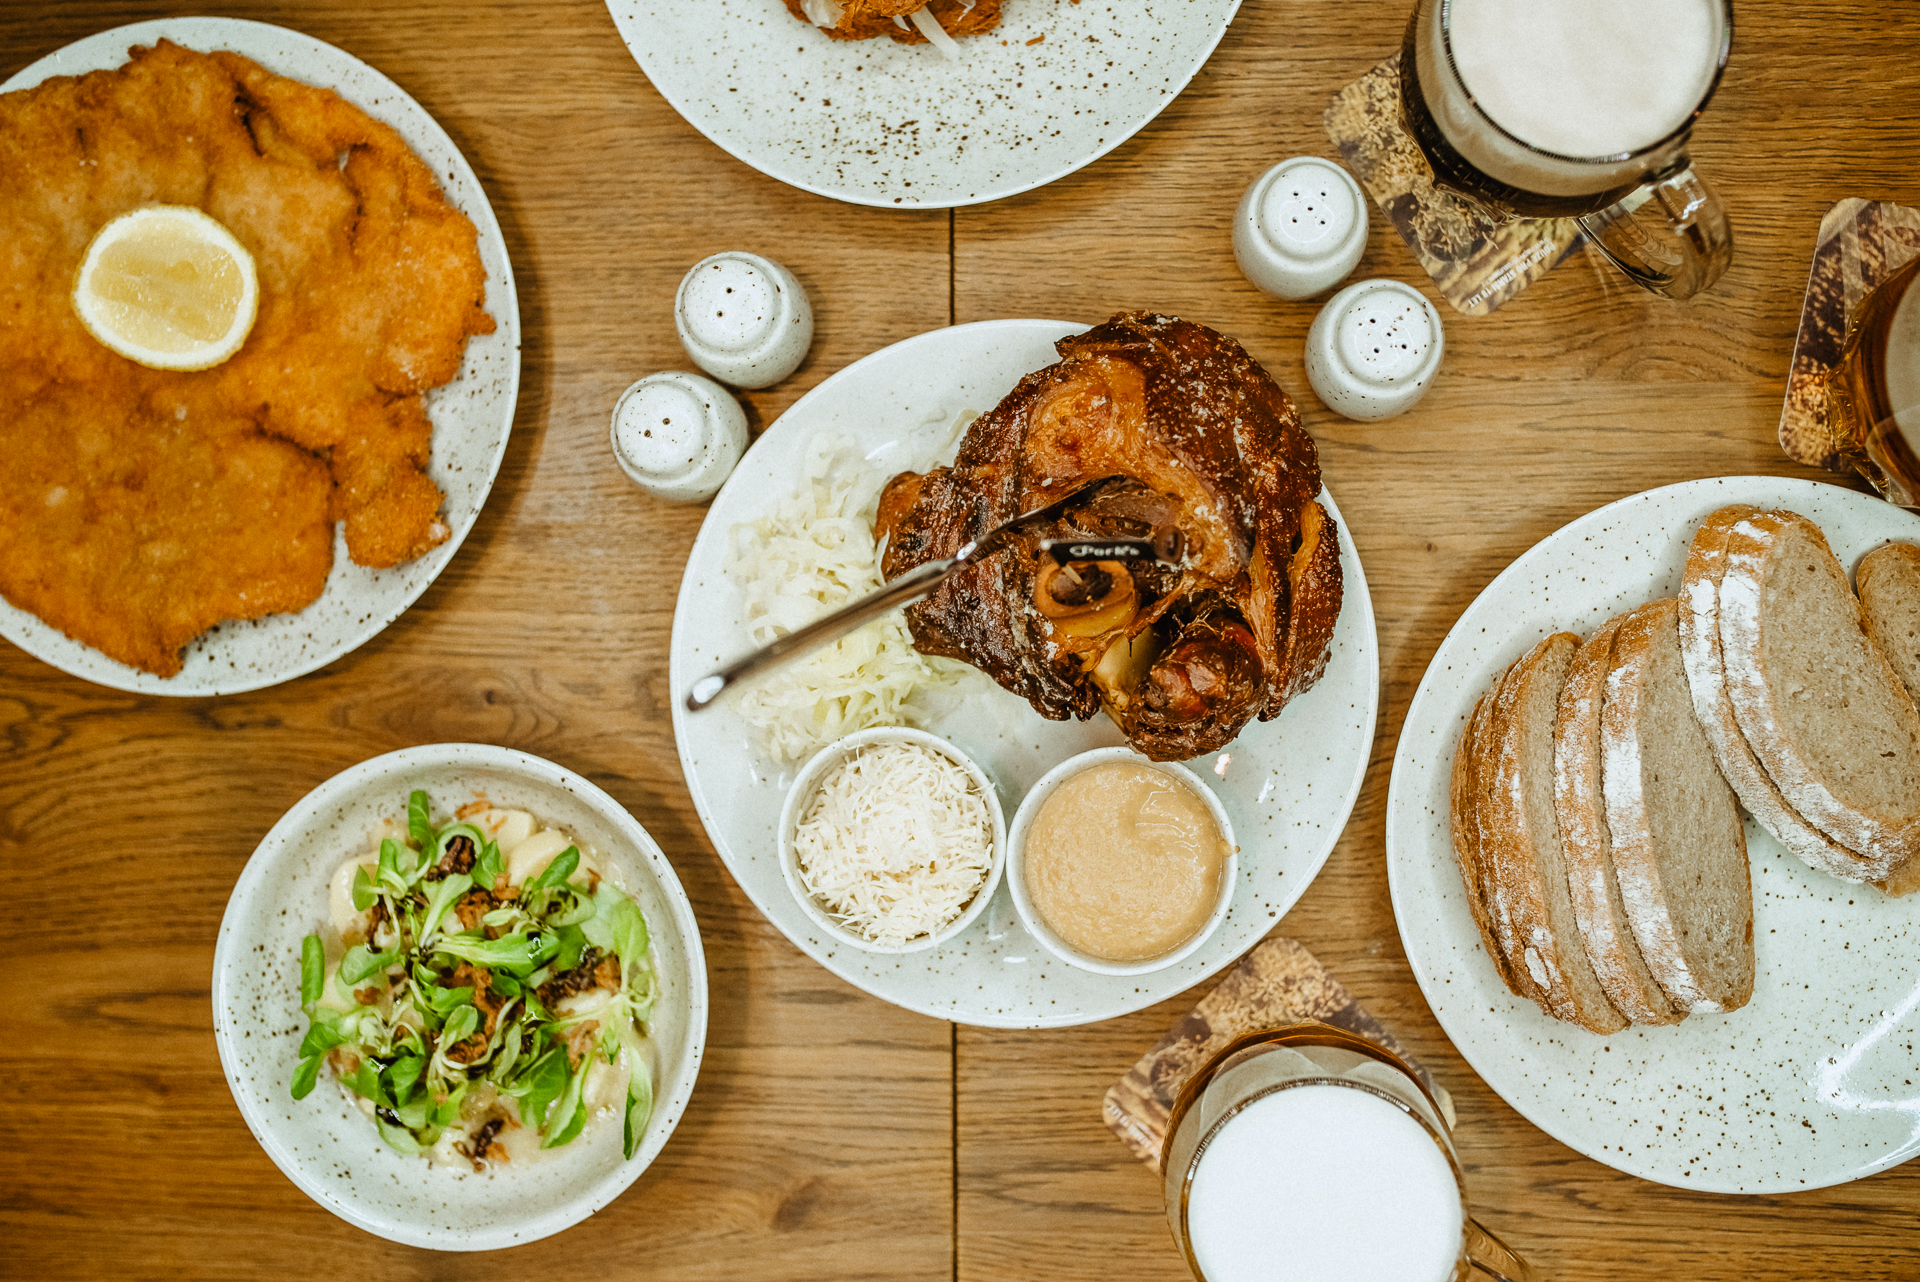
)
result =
(1288, 784)
(1812, 1082)
(1057, 85)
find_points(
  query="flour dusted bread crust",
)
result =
(1889, 579)
(1700, 652)
(1679, 849)
(1464, 824)
(1586, 845)
(1818, 702)
(1520, 839)
(1889, 582)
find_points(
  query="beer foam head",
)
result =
(1587, 79)
(1324, 1183)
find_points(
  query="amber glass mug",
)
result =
(1577, 109)
(1310, 1154)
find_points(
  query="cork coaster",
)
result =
(1861, 243)
(1277, 983)
(1477, 261)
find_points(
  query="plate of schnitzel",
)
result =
(230, 528)
(836, 97)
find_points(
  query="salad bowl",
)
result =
(324, 1143)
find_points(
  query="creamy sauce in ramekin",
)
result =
(1123, 862)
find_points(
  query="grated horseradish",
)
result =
(894, 842)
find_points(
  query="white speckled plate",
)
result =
(1057, 85)
(471, 415)
(323, 1143)
(1287, 784)
(1814, 1082)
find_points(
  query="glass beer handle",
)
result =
(1493, 1259)
(1670, 235)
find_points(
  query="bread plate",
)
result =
(1287, 784)
(323, 1143)
(1812, 1083)
(1054, 87)
(472, 415)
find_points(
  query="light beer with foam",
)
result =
(1873, 392)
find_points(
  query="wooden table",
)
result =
(834, 1136)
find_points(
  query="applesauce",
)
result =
(1124, 861)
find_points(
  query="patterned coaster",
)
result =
(1277, 983)
(1861, 243)
(1477, 262)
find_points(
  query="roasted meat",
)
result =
(1188, 437)
(865, 19)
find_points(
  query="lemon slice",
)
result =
(169, 287)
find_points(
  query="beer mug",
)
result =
(1873, 391)
(1311, 1154)
(1577, 109)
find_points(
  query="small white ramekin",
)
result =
(1017, 862)
(832, 755)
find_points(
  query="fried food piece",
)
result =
(1184, 432)
(141, 507)
(865, 19)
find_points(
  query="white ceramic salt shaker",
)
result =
(1301, 227)
(1374, 349)
(678, 435)
(744, 319)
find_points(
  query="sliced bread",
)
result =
(1464, 805)
(1889, 581)
(1823, 710)
(1679, 850)
(1520, 840)
(1706, 679)
(1581, 814)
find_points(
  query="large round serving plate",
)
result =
(1057, 85)
(1287, 784)
(471, 416)
(323, 1143)
(1812, 1082)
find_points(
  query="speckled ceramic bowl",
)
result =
(323, 1143)
(1017, 863)
(802, 791)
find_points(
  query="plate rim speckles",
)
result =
(1679, 1105)
(1288, 796)
(472, 416)
(697, 56)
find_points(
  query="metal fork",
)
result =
(918, 582)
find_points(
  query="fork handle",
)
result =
(908, 588)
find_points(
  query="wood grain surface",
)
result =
(834, 1136)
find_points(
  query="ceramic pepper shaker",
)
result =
(743, 319)
(1373, 349)
(678, 435)
(1301, 227)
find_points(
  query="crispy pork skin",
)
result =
(1187, 434)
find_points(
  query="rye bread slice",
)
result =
(1889, 582)
(1821, 707)
(1464, 823)
(1889, 579)
(1584, 839)
(1679, 850)
(1707, 680)
(1520, 840)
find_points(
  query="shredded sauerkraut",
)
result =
(895, 842)
(814, 552)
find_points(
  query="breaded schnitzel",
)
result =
(140, 507)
